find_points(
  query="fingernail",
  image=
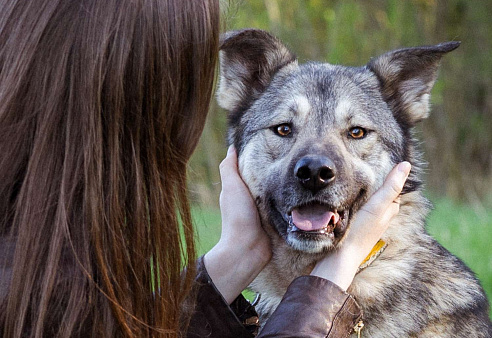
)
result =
(404, 167)
(230, 150)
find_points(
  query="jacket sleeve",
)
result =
(313, 307)
(213, 317)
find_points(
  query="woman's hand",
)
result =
(244, 248)
(370, 222)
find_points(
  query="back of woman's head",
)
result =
(101, 105)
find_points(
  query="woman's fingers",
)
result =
(384, 204)
(229, 175)
(236, 202)
(374, 217)
(393, 184)
(241, 225)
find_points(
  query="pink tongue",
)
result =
(313, 217)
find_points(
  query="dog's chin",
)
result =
(310, 244)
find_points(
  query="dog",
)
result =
(314, 142)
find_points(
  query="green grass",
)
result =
(464, 232)
(208, 224)
(468, 235)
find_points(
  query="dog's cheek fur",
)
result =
(370, 161)
(250, 156)
(260, 164)
(261, 170)
(371, 171)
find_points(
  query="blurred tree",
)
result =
(457, 137)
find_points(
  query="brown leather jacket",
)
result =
(311, 307)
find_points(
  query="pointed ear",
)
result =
(248, 60)
(407, 76)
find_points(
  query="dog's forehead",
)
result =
(321, 97)
(336, 93)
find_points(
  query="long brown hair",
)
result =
(101, 104)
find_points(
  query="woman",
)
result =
(101, 105)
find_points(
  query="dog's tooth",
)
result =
(290, 222)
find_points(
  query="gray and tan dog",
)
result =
(314, 142)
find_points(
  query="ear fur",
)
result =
(248, 60)
(407, 76)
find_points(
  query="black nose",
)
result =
(315, 172)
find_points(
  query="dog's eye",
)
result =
(283, 129)
(357, 133)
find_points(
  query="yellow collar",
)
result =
(375, 252)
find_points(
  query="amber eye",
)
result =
(283, 129)
(357, 133)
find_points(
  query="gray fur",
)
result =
(416, 287)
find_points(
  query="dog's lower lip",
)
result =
(293, 228)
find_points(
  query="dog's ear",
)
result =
(248, 60)
(407, 76)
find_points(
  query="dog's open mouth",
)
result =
(316, 219)
(317, 226)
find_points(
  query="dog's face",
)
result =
(316, 140)
(314, 145)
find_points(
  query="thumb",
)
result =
(228, 169)
(391, 189)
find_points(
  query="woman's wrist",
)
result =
(339, 267)
(232, 268)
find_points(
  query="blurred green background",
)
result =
(457, 138)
